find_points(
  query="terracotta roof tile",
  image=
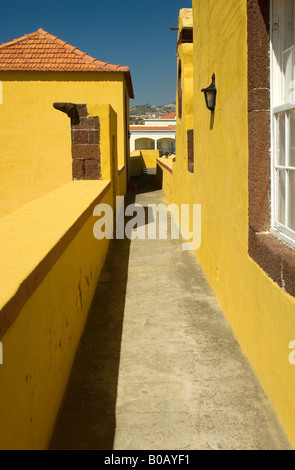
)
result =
(169, 116)
(41, 51)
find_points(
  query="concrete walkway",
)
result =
(158, 367)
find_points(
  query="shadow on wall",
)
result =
(145, 183)
(87, 419)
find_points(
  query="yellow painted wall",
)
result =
(35, 150)
(135, 164)
(46, 229)
(261, 314)
(185, 55)
(111, 168)
(140, 159)
(39, 347)
(165, 178)
(149, 158)
(122, 181)
(181, 186)
(51, 263)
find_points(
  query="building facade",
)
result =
(154, 134)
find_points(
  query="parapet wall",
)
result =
(51, 263)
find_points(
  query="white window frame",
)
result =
(280, 106)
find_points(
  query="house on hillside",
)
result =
(157, 133)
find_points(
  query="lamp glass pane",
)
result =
(210, 99)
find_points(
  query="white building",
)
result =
(156, 133)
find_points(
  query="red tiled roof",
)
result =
(152, 128)
(41, 51)
(169, 116)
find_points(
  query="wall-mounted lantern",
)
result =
(210, 95)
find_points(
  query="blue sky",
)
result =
(126, 32)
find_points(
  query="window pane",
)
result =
(288, 74)
(280, 139)
(281, 196)
(289, 14)
(291, 202)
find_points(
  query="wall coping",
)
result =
(33, 237)
(166, 163)
(121, 168)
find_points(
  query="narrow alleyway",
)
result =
(158, 367)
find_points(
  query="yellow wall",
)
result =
(149, 158)
(39, 346)
(111, 168)
(261, 314)
(185, 55)
(180, 188)
(51, 263)
(35, 150)
(135, 164)
(122, 181)
(140, 159)
(164, 177)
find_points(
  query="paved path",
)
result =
(158, 367)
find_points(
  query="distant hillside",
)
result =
(148, 111)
